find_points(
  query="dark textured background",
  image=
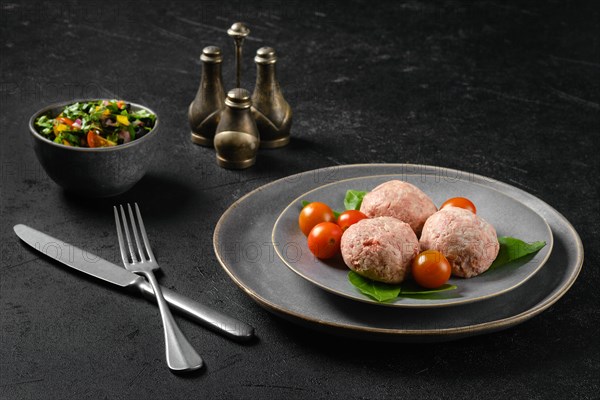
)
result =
(509, 90)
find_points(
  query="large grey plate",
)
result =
(509, 216)
(246, 252)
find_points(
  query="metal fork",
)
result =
(180, 354)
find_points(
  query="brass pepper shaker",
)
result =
(238, 32)
(237, 138)
(205, 111)
(272, 113)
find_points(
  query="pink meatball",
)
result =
(400, 200)
(469, 242)
(380, 248)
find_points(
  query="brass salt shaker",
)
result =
(205, 111)
(237, 138)
(272, 113)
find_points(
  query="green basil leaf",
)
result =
(512, 249)
(354, 199)
(384, 291)
(413, 289)
(377, 290)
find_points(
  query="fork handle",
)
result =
(180, 354)
(230, 327)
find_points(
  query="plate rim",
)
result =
(471, 329)
(367, 300)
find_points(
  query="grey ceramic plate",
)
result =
(509, 216)
(247, 255)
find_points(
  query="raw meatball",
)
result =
(469, 243)
(400, 200)
(380, 248)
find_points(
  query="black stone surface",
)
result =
(509, 90)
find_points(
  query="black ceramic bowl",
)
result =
(94, 172)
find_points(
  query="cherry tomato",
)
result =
(313, 214)
(461, 202)
(349, 217)
(324, 240)
(95, 140)
(431, 269)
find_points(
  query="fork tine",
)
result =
(135, 234)
(143, 231)
(120, 236)
(127, 235)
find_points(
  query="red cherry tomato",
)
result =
(349, 217)
(324, 240)
(460, 202)
(313, 214)
(431, 269)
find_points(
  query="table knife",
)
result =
(95, 266)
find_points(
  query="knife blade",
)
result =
(97, 267)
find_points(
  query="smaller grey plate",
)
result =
(509, 216)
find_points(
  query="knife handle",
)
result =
(207, 317)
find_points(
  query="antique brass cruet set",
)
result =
(238, 123)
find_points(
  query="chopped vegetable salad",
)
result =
(100, 123)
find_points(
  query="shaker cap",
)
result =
(238, 98)
(265, 55)
(211, 54)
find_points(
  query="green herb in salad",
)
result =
(100, 123)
